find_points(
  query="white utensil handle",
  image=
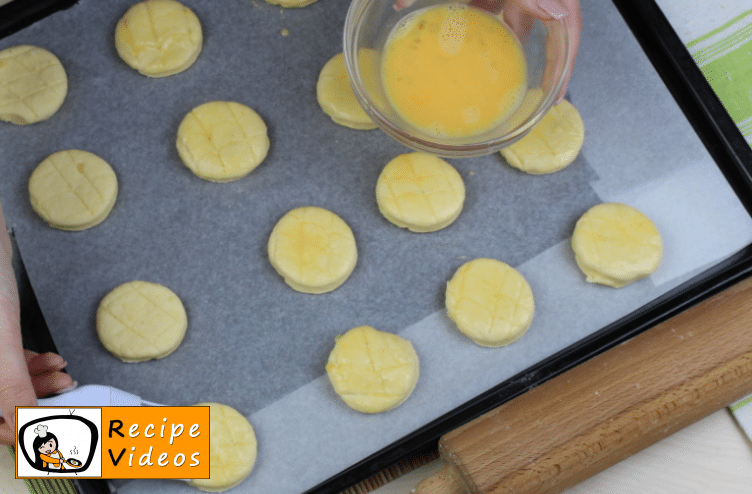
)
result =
(94, 395)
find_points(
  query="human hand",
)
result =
(24, 375)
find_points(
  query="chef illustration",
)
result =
(46, 452)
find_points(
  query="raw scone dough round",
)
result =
(372, 371)
(33, 84)
(159, 37)
(313, 249)
(290, 3)
(551, 145)
(140, 321)
(222, 141)
(335, 94)
(615, 244)
(73, 189)
(420, 192)
(232, 449)
(490, 302)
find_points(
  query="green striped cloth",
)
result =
(742, 411)
(12, 485)
(51, 486)
(724, 56)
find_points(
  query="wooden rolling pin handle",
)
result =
(608, 408)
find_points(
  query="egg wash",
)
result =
(453, 71)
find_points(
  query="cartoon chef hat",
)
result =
(40, 430)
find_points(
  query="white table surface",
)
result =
(711, 456)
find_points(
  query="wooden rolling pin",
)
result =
(608, 408)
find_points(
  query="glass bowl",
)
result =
(545, 45)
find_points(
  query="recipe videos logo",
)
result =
(112, 442)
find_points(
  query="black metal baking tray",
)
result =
(713, 126)
(18, 14)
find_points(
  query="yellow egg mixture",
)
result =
(453, 70)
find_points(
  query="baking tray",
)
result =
(703, 111)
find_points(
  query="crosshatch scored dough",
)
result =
(372, 371)
(73, 189)
(140, 321)
(420, 192)
(615, 244)
(490, 302)
(222, 141)
(313, 249)
(159, 38)
(551, 145)
(232, 449)
(33, 84)
(335, 94)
